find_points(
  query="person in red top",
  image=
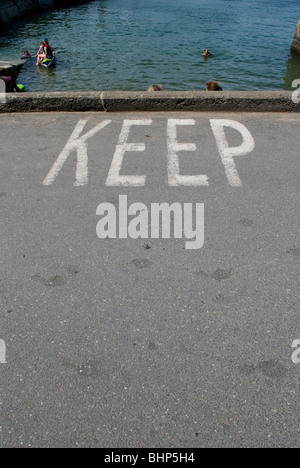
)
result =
(45, 51)
(48, 45)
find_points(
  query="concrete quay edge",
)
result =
(119, 101)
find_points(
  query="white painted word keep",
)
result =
(79, 143)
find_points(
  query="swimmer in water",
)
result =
(155, 87)
(213, 86)
(206, 53)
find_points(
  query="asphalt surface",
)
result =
(124, 343)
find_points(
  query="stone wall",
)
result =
(12, 9)
(296, 41)
(11, 68)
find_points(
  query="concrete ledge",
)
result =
(117, 101)
(52, 102)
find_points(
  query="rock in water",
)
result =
(296, 41)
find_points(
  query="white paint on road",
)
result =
(174, 176)
(227, 153)
(115, 179)
(76, 143)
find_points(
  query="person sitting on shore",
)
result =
(10, 84)
(213, 86)
(155, 87)
(206, 53)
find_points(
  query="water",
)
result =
(129, 44)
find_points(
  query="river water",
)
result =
(129, 44)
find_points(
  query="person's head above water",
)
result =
(206, 53)
(213, 86)
(155, 87)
